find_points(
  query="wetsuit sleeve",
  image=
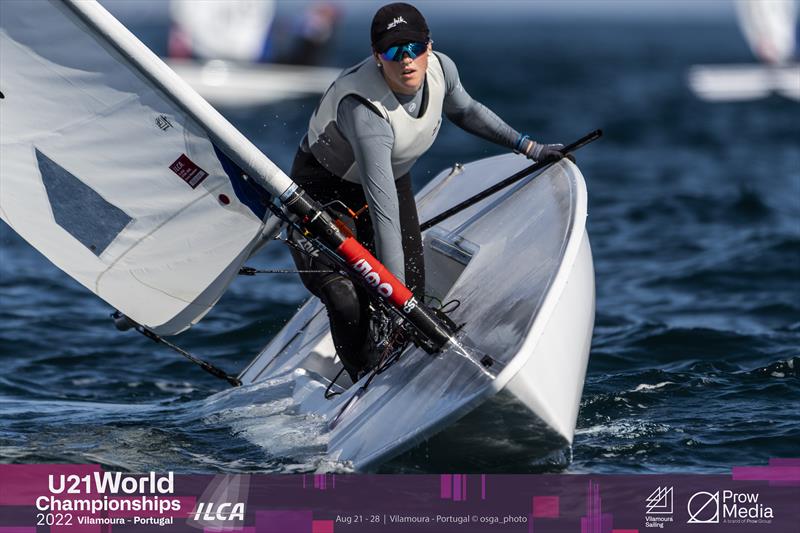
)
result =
(372, 138)
(470, 115)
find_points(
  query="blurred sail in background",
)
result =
(227, 50)
(770, 27)
(235, 30)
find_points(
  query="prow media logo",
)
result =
(660, 501)
(703, 508)
(729, 507)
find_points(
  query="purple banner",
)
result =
(86, 498)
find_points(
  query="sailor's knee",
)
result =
(340, 297)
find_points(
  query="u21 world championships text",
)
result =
(110, 483)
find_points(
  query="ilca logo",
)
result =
(659, 507)
(703, 508)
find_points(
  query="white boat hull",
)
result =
(731, 83)
(520, 264)
(234, 84)
(553, 391)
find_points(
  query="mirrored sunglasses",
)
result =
(395, 53)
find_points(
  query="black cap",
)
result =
(398, 23)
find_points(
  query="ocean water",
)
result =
(694, 221)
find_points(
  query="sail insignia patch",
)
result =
(188, 171)
(79, 209)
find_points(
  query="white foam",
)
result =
(630, 430)
(266, 415)
(645, 386)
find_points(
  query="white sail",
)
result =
(224, 29)
(769, 27)
(115, 170)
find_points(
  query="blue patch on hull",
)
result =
(78, 208)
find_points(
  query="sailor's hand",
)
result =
(543, 153)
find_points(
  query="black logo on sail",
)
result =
(163, 123)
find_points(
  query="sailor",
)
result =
(369, 129)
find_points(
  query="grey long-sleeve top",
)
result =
(371, 138)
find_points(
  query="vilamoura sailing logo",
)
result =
(659, 507)
(660, 501)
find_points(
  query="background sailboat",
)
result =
(770, 29)
(227, 52)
